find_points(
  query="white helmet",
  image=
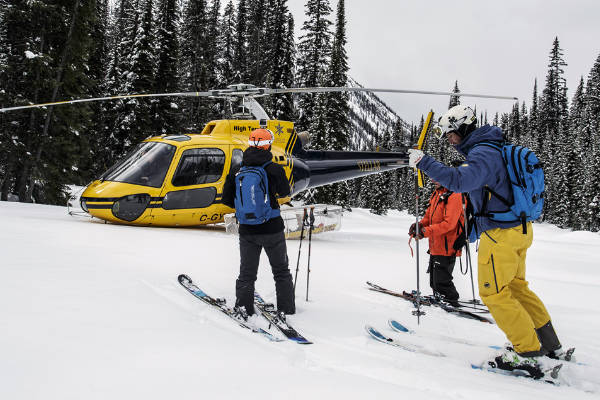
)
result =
(457, 119)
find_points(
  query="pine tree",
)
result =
(314, 51)
(337, 109)
(592, 127)
(455, 99)
(227, 45)
(532, 128)
(240, 71)
(553, 127)
(167, 111)
(98, 158)
(45, 59)
(199, 61)
(256, 64)
(280, 58)
(137, 122)
(577, 159)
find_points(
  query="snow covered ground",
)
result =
(93, 311)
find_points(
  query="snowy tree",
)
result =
(44, 58)
(314, 51)
(240, 71)
(280, 58)
(455, 99)
(227, 45)
(576, 159)
(137, 122)
(166, 110)
(336, 113)
(553, 128)
(199, 61)
(592, 127)
(257, 64)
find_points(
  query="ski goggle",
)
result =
(438, 131)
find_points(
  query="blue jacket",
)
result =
(483, 167)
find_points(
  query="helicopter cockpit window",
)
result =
(198, 166)
(236, 160)
(146, 165)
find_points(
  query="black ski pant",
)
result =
(440, 276)
(275, 247)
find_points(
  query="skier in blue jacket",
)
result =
(503, 246)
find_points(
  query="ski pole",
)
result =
(304, 216)
(419, 183)
(311, 221)
(418, 313)
(467, 247)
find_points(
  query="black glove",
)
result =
(412, 231)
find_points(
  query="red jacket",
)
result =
(443, 222)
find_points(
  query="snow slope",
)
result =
(93, 310)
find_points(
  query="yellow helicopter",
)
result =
(177, 180)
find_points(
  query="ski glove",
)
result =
(412, 231)
(414, 156)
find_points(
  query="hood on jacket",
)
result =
(484, 133)
(254, 156)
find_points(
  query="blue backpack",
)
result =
(252, 203)
(527, 180)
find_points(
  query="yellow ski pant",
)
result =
(504, 290)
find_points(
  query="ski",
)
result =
(549, 375)
(430, 301)
(277, 319)
(413, 348)
(220, 305)
(398, 327)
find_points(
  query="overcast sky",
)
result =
(490, 47)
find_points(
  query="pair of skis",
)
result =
(433, 301)
(267, 311)
(549, 374)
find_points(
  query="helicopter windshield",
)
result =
(146, 165)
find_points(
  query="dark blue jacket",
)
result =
(483, 167)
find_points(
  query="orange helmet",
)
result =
(261, 138)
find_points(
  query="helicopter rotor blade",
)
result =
(357, 89)
(213, 93)
(243, 90)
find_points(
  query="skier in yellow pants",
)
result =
(502, 286)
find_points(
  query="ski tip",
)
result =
(569, 355)
(300, 340)
(374, 333)
(397, 326)
(554, 372)
(184, 278)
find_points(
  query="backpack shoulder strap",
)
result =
(490, 143)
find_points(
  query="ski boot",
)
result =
(510, 360)
(239, 312)
(562, 354)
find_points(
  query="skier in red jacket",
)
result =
(442, 224)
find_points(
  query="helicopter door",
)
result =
(194, 188)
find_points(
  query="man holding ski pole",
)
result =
(441, 224)
(501, 261)
(261, 225)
